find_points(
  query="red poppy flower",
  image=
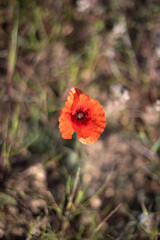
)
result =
(82, 115)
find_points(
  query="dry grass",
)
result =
(58, 189)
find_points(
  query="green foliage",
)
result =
(6, 199)
(47, 47)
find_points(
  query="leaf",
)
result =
(156, 145)
(6, 199)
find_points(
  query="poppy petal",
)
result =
(97, 124)
(72, 98)
(65, 123)
(82, 115)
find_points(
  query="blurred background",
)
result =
(51, 188)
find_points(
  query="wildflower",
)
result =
(82, 115)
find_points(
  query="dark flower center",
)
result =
(80, 115)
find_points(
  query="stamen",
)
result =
(80, 115)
